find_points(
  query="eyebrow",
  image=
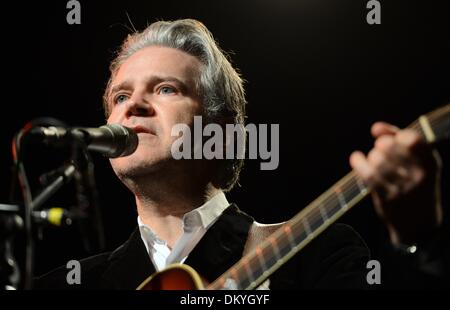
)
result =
(153, 80)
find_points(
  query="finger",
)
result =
(381, 128)
(385, 181)
(383, 169)
(416, 152)
(396, 153)
(382, 188)
(408, 139)
(385, 143)
(361, 166)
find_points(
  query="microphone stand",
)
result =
(68, 171)
(13, 217)
(12, 222)
(91, 226)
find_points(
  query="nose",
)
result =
(139, 106)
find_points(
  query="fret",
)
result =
(275, 248)
(285, 246)
(262, 262)
(333, 207)
(257, 273)
(323, 213)
(307, 224)
(288, 232)
(362, 188)
(316, 222)
(230, 280)
(269, 258)
(299, 231)
(248, 271)
(234, 279)
(348, 191)
(307, 227)
(244, 280)
(341, 198)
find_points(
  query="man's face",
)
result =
(153, 90)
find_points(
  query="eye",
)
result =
(120, 98)
(167, 90)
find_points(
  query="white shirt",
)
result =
(195, 225)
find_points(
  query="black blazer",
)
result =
(336, 259)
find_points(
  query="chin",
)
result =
(138, 164)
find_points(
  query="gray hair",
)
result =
(219, 84)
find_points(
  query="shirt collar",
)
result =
(207, 213)
(203, 216)
(147, 234)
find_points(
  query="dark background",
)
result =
(313, 66)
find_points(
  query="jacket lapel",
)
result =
(222, 245)
(129, 265)
(217, 251)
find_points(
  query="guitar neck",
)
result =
(295, 234)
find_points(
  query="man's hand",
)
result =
(404, 176)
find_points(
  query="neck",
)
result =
(162, 202)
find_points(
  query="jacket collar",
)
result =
(222, 246)
(128, 266)
(217, 251)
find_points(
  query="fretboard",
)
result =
(295, 234)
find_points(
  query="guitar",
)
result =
(267, 257)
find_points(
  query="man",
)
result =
(173, 71)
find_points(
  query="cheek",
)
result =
(185, 115)
(172, 118)
(115, 116)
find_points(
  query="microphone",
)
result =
(111, 140)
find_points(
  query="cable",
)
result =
(27, 199)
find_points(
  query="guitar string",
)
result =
(254, 259)
(314, 212)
